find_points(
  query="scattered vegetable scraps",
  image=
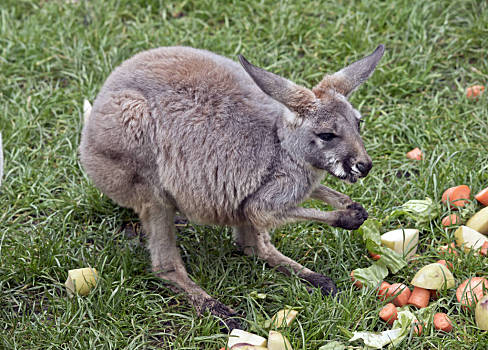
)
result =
(390, 260)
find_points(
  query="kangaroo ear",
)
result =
(349, 78)
(297, 98)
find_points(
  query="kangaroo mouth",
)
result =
(339, 170)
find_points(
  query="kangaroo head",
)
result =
(320, 126)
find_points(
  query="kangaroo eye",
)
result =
(326, 136)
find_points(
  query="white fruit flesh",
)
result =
(402, 241)
(481, 313)
(81, 281)
(282, 318)
(239, 336)
(433, 276)
(479, 221)
(469, 238)
(276, 341)
(246, 346)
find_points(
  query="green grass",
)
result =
(52, 219)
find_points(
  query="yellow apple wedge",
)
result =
(402, 241)
(238, 336)
(81, 281)
(479, 221)
(433, 276)
(469, 238)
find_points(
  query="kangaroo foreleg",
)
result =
(336, 199)
(350, 218)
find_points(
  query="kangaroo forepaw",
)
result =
(228, 316)
(326, 285)
(353, 217)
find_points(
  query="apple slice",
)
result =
(402, 241)
(81, 281)
(282, 318)
(238, 336)
(277, 341)
(433, 276)
(479, 221)
(469, 238)
(481, 313)
(246, 346)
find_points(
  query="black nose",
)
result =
(364, 168)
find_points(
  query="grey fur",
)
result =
(182, 129)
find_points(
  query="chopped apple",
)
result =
(402, 241)
(277, 341)
(81, 281)
(433, 276)
(481, 313)
(469, 238)
(282, 318)
(479, 221)
(238, 336)
(246, 346)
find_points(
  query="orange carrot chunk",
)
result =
(448, 249)
(484, 249)
(400, 292)
(456, 196)
(472, 290)
(482, 197)
(374, 256)
(442, 322)
(447, 264)
(415, 154)
(418, 327)
(383, 290)
(450, 220)
(389, 313)
(419, 297)
(356, 283)
(473, 92)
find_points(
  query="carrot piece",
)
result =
(473, 92)
(400, 292)
(484, 249)
(471, 290)
(449, 220)
(415, 154)
(419, 297)
(457, 196)
(389, 313)
(356, 283)
(448, 249)
(383, 290)
(374, 256)
(447, 264)
(442, 322)
(482, 197)
(418, 327)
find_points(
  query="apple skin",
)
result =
(481, 313)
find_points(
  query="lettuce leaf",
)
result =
(390, 260)
(422, 211)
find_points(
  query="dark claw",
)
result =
(326, 285)
(353, 218)
(230, 318)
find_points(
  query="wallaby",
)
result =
(178, 129)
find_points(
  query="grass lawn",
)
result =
(52, 219)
